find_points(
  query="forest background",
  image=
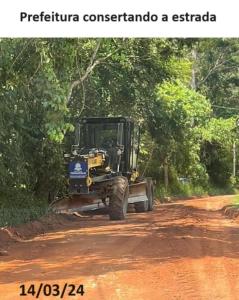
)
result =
(184, 93)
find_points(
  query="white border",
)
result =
(227, 24)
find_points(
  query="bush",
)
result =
(214, 190)
(186, 190)
(21, 209)
(180, 190)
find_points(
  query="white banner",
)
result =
(75, 18)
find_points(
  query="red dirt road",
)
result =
(184, 250)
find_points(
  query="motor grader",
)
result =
(103, 169)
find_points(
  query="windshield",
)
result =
(101, 135)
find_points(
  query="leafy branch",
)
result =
(93, 63)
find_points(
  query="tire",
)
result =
(141, 206)
(150, 194)
(118, 203)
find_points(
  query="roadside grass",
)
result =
(188, 190)
(180, 191)
(236, 201)
(21, 210)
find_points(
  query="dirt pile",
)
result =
(231, 211)
(4, 237)
(43, 225)
(22, 232)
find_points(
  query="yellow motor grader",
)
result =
(103, 169)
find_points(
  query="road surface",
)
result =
(183, 250)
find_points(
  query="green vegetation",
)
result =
(236, 201)
(183, 92)
(21, 209)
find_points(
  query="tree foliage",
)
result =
(47, 84)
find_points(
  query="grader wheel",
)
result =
(150, 194)
(119, 198)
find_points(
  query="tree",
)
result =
(178, 115)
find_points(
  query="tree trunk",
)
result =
(165, 168)
(234, 159)
(193, 78)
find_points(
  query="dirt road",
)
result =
(185, 250)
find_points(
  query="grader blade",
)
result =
(137, 192)
(77, 203)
